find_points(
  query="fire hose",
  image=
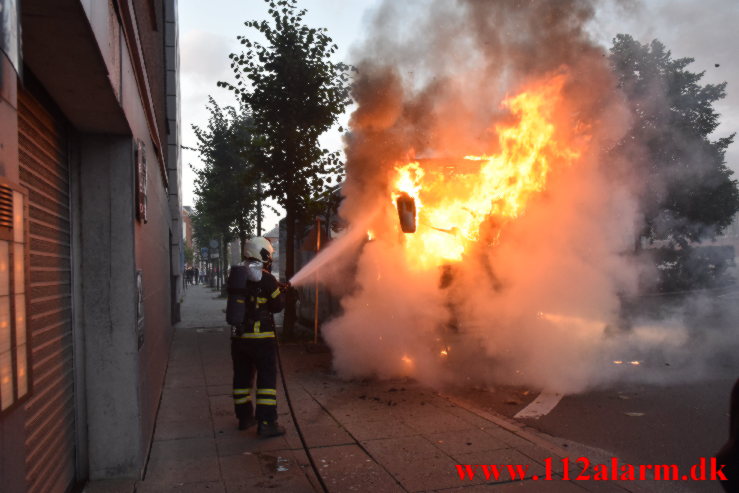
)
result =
(285, 286)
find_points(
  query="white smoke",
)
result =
(543, 306)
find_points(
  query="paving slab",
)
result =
(466, 441)
(554, 486)
(350, 468)
(111, 486)
(503, 457)
(279, 470)
(197, 487)
(221, 389)
(188, 460)
(184, 403)
(323, 435)
(175, 429)
(243, 467)
(363, 430)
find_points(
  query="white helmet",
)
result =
(258, 248)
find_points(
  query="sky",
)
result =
(701, 29)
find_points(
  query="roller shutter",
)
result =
(44, 170)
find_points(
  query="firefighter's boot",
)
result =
(270, 429)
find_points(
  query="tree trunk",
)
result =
(223, 263)
(291, 299)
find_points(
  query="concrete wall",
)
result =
(174, 152)
(152, 252)
(107, 247)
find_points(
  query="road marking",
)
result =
(541, 406)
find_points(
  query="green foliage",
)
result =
(689, 193)
(698, 267)
(203, 230)
(227, 187)
(189, 255)
(295, 93)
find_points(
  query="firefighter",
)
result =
(253, 344)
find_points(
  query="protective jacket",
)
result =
(260, 301)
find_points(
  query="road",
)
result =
(675, 422)
(639, 424)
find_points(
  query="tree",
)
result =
(689, 193)
(189, 255)
(295, 93)
(227, 187)
(203, 231)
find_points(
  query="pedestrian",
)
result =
(196, 276)
(253, 342)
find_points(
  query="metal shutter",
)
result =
(44, 170)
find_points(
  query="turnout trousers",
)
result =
(249, 357)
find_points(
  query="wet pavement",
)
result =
(355, 436)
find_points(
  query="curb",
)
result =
(527, 433)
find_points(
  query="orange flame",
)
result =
(454, 197)
(409, 181)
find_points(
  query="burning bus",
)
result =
(441, 211)
(489, 200)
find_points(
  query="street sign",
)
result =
(204, 252)
(214, 255)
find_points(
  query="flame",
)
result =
(408, 180)
(454, 197)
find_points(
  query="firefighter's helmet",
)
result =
(258, 248)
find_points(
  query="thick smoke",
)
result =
(541, 305)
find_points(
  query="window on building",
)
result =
(14, 349)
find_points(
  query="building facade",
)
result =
(187, 226)
(90, 235)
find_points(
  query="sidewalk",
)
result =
(391, 436)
